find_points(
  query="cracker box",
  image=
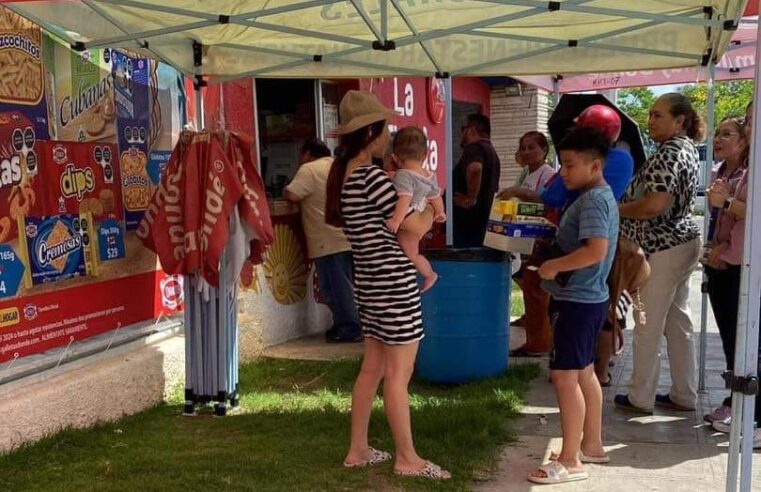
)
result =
(83, 177)
(507, 230)
(19, 171)
(84, 95)
(57, 247)
(137, 184)
(23, 79)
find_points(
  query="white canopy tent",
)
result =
(329, 38)
(227, 39)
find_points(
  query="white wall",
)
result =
(511, 117)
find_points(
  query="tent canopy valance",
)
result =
(328, 38)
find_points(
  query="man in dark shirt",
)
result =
(475, 181)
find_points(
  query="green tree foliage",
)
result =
(636, 102)
(731, 98)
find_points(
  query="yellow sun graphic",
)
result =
(285, 267)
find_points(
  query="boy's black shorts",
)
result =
(575, 327)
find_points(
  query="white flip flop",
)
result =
(557, 473)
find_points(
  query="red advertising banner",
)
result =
(419, 102)
(79, 178)
(35, 323)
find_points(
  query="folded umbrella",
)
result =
(571, 106)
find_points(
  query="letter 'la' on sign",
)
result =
(11, 271)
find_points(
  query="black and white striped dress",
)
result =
(385, 281)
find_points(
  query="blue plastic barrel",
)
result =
(466, 316)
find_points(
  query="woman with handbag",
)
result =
(656, 214)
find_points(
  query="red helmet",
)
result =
(602, 117)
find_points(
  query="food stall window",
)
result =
(286, 112)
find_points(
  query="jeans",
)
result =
(334, 274)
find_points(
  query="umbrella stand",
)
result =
(211, 342)
(211, 328)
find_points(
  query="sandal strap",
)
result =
(377, 456)
(554, 470)
(430, 470)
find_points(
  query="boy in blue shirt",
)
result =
(587, 237)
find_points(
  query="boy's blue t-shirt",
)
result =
(618, 172)
(593, 215)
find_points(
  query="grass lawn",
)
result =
(290, 435)
(516, 302)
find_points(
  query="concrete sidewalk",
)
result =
(667, 451)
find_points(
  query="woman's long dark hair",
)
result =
(349, 147)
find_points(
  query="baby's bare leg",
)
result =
(412, 231)
(410, 244)
(438, 208)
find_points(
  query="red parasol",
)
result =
(209, 175)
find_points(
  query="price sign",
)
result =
(11, 271)
(110, 240)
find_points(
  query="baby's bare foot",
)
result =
(428, 282)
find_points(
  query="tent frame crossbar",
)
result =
(680, 18)
(479, 28)
(156, 52)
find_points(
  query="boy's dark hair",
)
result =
(316, 148)
(410, 143)
(480, 123)
(587, 140)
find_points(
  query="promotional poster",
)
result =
(83, 139)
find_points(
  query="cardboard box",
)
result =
(509, 233)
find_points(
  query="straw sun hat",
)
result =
(359, 109)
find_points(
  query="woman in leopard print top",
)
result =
(656, 214)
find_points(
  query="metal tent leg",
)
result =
(705, 176)
(746, 353)
(449, 191)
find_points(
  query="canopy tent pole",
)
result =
(448, 136)
(746, 352)
(556, 92)
(705, 176)
(199, 107)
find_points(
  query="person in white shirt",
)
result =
(328, 247)
(532, 157)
